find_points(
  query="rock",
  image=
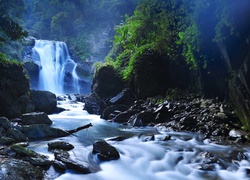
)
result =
(44, 101)
(143, 118)
(59, 165)
(33, 71)
(92, 104)
(19, 170)
(63, 156)
(6, 140)
(107, 82)
(36, 118)
(124, 97)
(16, 135)
(124, 116)
(23, 151)
(40, 161)
(5, 123)
(38, 131)
(60, 145)
(105, 151)
(110, 109)
(14, 90)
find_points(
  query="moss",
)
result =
(5, 60)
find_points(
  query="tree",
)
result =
(10, 13)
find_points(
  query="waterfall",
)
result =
(57, 70)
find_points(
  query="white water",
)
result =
(176, 159)
(56, 64)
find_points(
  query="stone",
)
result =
(5, 123)
(6, 140)
(44, 101)
(124, 116)
(60, 145)
(111, 109)
(18, 169)
(14, 90)
(16, 135)
(39, 131)
(36, 118)
(107, 82)
(23, 151)
(92, 104)
(143, 118)
(105, 151)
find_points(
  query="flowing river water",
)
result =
(144, 154)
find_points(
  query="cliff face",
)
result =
(14, 90)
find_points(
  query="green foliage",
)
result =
(5, 60)
(10, 20)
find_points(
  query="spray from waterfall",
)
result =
(57, 70)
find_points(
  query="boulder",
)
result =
(143, 118)
(124, 116)
(14, 90)
(16, 135)
(124, 97)
(60, 145)
(105, 151)
(33, 72)
(36, 118)
(92, 104)
(19, 169)
(107, 82)
(5, 123)
(44, 101)
(38, 131)
(111, 109)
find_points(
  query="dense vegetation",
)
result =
(211, 36)
(74, 22)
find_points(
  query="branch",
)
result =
(79, 128)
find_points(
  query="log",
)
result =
(79, 128)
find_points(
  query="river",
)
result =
(144, 154)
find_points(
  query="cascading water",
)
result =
(57, 70)
(184, 156)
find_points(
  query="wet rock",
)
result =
(5, 123)
(143, 118)
(16, 135)
(93, 104)
(14, 90)
(60, 166)
(44, 101)
(124, 116)
(40, 161)
(107, 82)
(36, 118)
(124, 97)
(111, 109)
(22, 151)
(105, 151)
(19, 170)
(38, 131)
(6, 140)
(60, 145)
(63, 156)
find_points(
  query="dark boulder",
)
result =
(143, 118)
(93, 104)
(38, 131)
(35, 118)
(33, 72)
(5, 123)
(124, 116)
(111, 109)
(19, 169)
(125, 97)
(105, 151)
(16, 135)
(60, 145)
(107, 82)
(44, 101)
(14, 90)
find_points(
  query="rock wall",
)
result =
(14, 90)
